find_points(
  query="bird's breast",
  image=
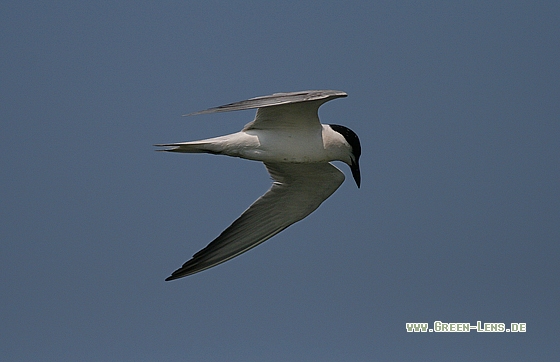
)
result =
(285, 146)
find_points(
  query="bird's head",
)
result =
(356, 149)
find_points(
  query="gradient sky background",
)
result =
(457, 105)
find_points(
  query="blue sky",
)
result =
(458, 218)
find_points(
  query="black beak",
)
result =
(355, 167)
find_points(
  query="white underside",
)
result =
(311, 146)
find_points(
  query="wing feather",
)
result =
(297, 191)
(275, 100)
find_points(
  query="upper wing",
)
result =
(282, 110)
(298, 190)
(275, 100)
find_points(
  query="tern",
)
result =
(296, 149)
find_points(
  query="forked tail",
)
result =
(189, 147)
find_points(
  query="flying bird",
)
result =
(296, 149)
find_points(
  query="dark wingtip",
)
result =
(174, 276)
(177, 274)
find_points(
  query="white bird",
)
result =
(296, 149)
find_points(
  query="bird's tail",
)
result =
(203, 146)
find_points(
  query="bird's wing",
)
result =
(298, 190)
(282, 110)
(275, 99)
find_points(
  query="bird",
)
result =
(296, 149)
